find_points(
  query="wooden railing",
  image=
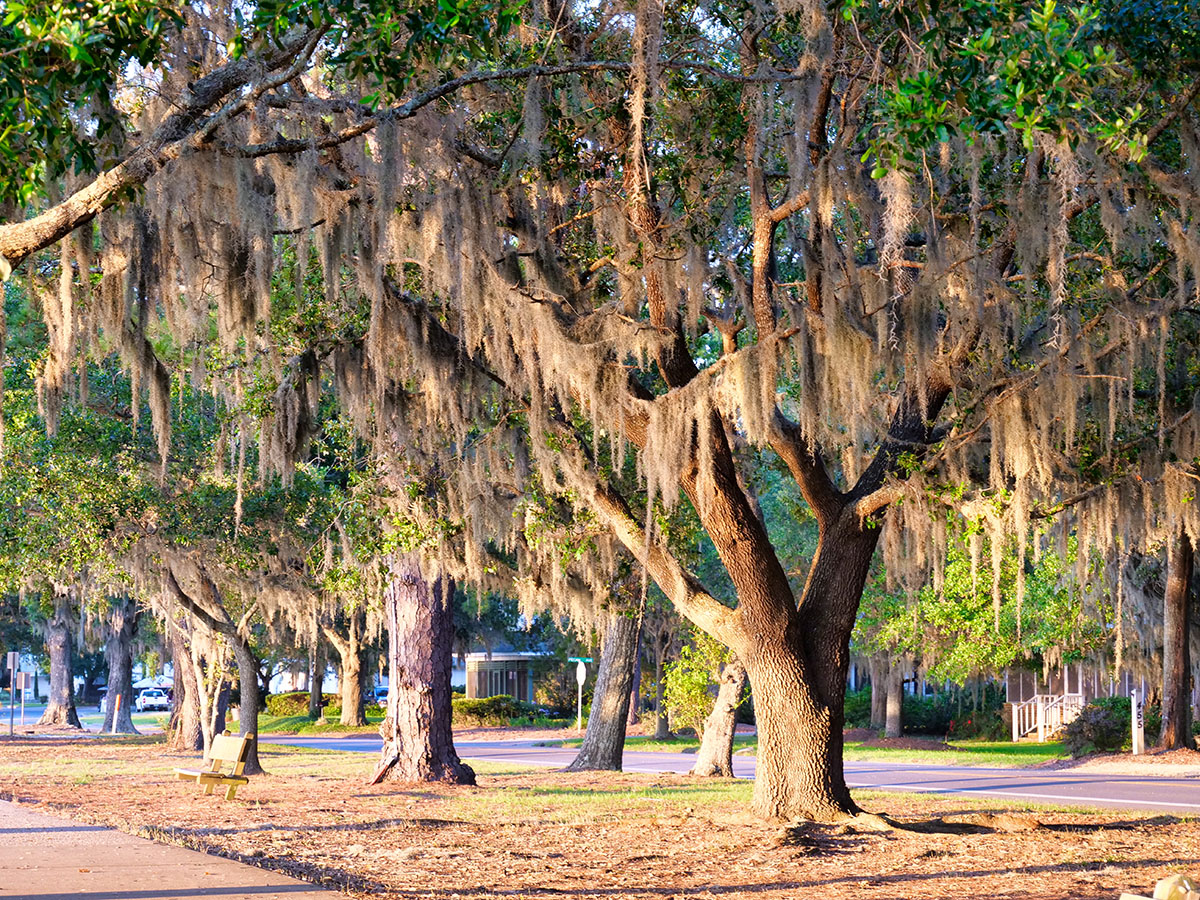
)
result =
(1045, 714)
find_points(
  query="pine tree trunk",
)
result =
(1177, 670)
(185, 730)
(418, 744)
(879, 693)
(251, 700)
(316, 679)
(118, 653)
(60, 702)
(604, 743)
(894, 725)
(715, 757)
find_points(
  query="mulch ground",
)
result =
(557, 835)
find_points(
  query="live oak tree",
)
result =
(922, 260)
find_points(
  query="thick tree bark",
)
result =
(1177, 670)
(250, 702)
(894, 719)
(418, 744)
(185, 730)
(316, 679)
(715, 757)
(60, 702)
(604, 743)
(123, 616)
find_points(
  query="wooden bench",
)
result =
(227, 751)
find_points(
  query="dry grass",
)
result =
(543, 834)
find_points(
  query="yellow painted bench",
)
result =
(228, 752)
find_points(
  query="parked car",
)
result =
(380, 695)
(152, 698)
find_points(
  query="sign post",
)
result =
(14, 660)
(1137, 707)
(580, 678)
(26, 684)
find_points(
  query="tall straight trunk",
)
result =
(316, 678)
(1177, 669)
(418, 744)
(879, 693)
(604, 743)
(894, 725)
(123, 616)
(635, 691)
(184, 729)
(60, 702)
(662, 724)
(251, 700)
(715, 757)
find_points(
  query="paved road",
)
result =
(48, 858)
(1169, 794)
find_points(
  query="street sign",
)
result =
(580, 678)
(14, 660)
(581, 672)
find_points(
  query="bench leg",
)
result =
(230, 791)
(208, 788)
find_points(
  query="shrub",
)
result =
(294, 703)
(858, 708)
(491, 711)
(1102, 725)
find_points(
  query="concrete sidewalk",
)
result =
(47, 858)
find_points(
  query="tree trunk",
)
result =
(418, 744)
(352, 688)
(604, 742)
(879, 693)
(662, 723)
(635, 691)
(894, 725)
(251, 700)
(316, 679)
(60, 702)
(716, 748)
(122, 622)
(1177, 670)
(185, 730)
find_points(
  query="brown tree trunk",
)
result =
(894, 720)
(418, 744)
(715, 757)
(349, 647)
(1177, 606)
(879, 693)
(123, 616)
(635, 691)
(60, 702)
(251, 700)
(316, 679)
(185, 729)
(662, 724)
(604, 743)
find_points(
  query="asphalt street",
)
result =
(1169, 794)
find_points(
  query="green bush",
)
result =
(295, 703)
(858, 708)
(1105, 724)
(491, 711)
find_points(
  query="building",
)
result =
(513, 673)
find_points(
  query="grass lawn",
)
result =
(998, 754)
(304, 725)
